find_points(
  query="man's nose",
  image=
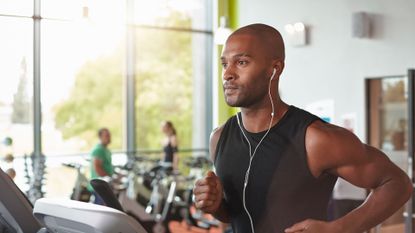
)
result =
(228, 74)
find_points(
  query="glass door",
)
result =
(389, 103)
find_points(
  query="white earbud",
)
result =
(269, 91)
(273, 74)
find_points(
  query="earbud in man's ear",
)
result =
(273, 73)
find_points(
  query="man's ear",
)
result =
(279, 66)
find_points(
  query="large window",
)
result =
(180, 14)
(82, 72)
(82, 75)
(83, 66)
(16, 7)
(172, 60)
(16, 128)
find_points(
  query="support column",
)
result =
(37, 111)
(129, 84)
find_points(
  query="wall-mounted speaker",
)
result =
(361, 25)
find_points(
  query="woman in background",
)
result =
(170, 145)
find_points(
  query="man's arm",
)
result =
(222, 213)
(98, 167)
(209, 191)
(98, 155)
(331, 149)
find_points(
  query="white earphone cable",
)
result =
(251, 155)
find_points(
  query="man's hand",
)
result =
(312, 226)
(208, 193)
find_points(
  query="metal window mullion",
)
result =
(129, 83)
(37, 114)
(174, 29)
(209, 75)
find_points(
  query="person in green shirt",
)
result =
(101, 161)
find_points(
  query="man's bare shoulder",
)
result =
(216, 132)
(214, 138)
(329, 146)
(322, 133)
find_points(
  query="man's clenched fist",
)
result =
(208, 193)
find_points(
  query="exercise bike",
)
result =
(80, 191)
(147, 196)
(194, 217)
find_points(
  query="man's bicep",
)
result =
(368, 168)
(335, 150)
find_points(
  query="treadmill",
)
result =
(58, 216)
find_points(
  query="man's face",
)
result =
(105, 137)
(244, 72)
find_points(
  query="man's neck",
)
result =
(257, 119)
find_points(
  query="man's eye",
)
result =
(242, 62)
(224, 65)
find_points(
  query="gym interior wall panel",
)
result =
(334, 64)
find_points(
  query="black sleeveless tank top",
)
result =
(169, 151)
(281, 190)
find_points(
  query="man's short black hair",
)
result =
(101, 131)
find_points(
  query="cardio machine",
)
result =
(168, 197)
(153, 209)
(58, 216)
(80, 191)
